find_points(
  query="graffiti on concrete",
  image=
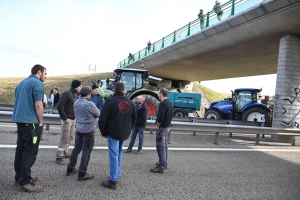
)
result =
(286, 104)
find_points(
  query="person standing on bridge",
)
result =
(130, 56)
(28, 114)
(218, 9)
(140, 124)
(201, 18)
(163, 127)
(85, 112)
(65, 109)
(149, 45)
(115, 123)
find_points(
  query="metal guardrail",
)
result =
(4, 107)
(51, 119)
(54, 119)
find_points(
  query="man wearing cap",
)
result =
(85, 113)
(97, 99)
(65, 109)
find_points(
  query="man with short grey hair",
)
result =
(140, 124)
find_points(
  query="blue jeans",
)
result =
(50, 105)
(26, 151)
(115, 158)
(162, 146)
(136, 130)
(84, 142)
(96, 124)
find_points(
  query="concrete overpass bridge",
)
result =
(259, 37)
(244, 44)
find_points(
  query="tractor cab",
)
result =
(246, 99)
(244, 96)
(133, 79)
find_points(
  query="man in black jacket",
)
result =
(140, 124)
(65, 109)
(115, 123)
(163, 127)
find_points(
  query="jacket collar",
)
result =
(119, 94)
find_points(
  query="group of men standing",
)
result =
(119, 117)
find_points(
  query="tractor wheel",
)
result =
(179, 112)
(152, 104)
(212, 114)
(255, 114)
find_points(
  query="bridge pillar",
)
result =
(287, 94)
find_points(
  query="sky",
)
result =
(69, 36)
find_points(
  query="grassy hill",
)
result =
(64, 82)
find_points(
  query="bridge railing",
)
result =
(227, 9)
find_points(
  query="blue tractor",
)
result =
(243, 106)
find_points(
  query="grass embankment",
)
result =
(211, 95)
(8, 85)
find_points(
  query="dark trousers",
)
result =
(26, 151)
(162, 146)
(84, 142)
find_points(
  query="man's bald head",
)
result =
(140, 99)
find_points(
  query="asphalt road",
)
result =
(197, 169)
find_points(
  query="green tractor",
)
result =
(138, 82)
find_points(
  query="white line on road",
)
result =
(173, 148)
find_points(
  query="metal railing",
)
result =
(215, 129)
(227, 9)
(6, 107)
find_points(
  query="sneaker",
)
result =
(139, 152)
(60, 161)
(156, 166)
(109, 184)
(157, 170)
(30, 187)
(86, 177)
(67, 155)
(128, 151)
(75, 171)
(33, 179)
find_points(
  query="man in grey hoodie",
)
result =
(85, 112)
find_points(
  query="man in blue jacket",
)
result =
(140, 124)
(115, 123)
(97, 99)
(28, 114)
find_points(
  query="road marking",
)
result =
(3, 146)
